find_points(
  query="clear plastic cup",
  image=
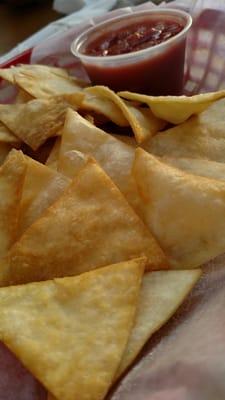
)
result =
(156, 70)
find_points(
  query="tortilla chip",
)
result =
(105, 107)
(162, 292)
(52, 160)
(160, 296)
(9, 74)
(6, 136)
(73, 99)
(71, 332)
(207, 125)
(175, 109)
(42, 187)
(91, 225)
(12, 174)
(42, 81)
(23, 97)
(188, 147)
(195, 166)
(35, 121)
(142, 121)
(115, 157)
(72, 162)
(195, 138)
(184, 212)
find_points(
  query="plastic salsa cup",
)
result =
(111, 56)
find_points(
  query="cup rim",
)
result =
(76, 43)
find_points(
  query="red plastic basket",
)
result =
(22, 58)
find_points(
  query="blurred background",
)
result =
(21, 18)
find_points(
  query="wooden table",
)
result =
(17, 23)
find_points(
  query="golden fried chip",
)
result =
(114, 157)
(198, 137)
(12, 174)
(74, 100)
(184, 212)
(175, 109)
(9, 74)
(42, 187)
(42, 81)
(23, 97)
(71, 332)
(91, 225)
(142, 121)
(52, 160)
(105, 107)
(35, 121)
(196, 166)
(202, 137)
(72, 161)
(187, 146)
(162, 292)
(6, 136)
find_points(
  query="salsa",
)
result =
(133, 52)
(134, 37)
(157, 76)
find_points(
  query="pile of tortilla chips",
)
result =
(101, 240)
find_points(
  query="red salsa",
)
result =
(134, 37)
(123, 53)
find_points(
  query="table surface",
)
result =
(18, 23)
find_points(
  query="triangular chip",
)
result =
(162, 292)
(115, 157)
(9, 74)
(48, 84)
(91, 225)
(41, 81)
(175, 109)
(35, 121)
(23, 97)
(209, 123)
(6, 136)
(196, 166)
(72, 161)
(202, 136)
(71, 332)
(184, 212)
(142, 121)
(191, 146)
(12, 174)
(104, 106)
(42, 187)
